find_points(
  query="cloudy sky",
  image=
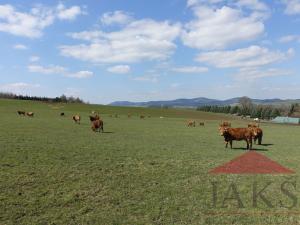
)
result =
(138, 50)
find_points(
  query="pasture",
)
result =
(139, 171)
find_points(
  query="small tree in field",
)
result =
(246, 105)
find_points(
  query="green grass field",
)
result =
(151, 171)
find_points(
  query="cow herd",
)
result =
(192, 123)
(23, 113)
(252, 132)
(249, 134)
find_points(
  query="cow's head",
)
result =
(254, 131)
(222, 130)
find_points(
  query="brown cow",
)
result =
(142, 117)
(76, 119)
(21, 113)
(93, 118)
(30, 114)
(201, 124)
(237, 134)
(258, 132)
(191, 123)
(97, 125)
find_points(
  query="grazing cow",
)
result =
(225, 124)
(142, 117)
(97, 125)
(30, 114)
(76, 119)
(62, 114)
(201, 124)
(191, 123)
(93, 118)
(237, 134)
(21, 113)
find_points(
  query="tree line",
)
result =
(61, 99)
(245, 107)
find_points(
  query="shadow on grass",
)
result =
(108, 132)
(266, 144)
(253, 149)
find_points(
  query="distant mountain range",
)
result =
(195, 102)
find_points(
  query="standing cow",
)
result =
(191, 123)
(258, 132)
(21, 113)
(30, 114)
(237, 134)
(76, 119)
(97, 125)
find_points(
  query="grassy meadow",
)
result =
(151, 171)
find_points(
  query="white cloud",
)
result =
(191, 3)
(20, 47)
(139, 40)
(252, 56)
(18, 88)
(153, 78)
(120, 69)
(256, 73)
(190, 69)
(292, 7)
(253, 4)
(221, 27)
(80, 74)
(47, 70)
(289, 38)
(71, 13)
(52, 69)
(31, 24)
(34, 58)
(116, 17)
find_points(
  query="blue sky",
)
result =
(111, 50)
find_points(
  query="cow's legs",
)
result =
(230, 144)
(259, 139)
(226, 144)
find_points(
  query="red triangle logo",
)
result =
(251, 162)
